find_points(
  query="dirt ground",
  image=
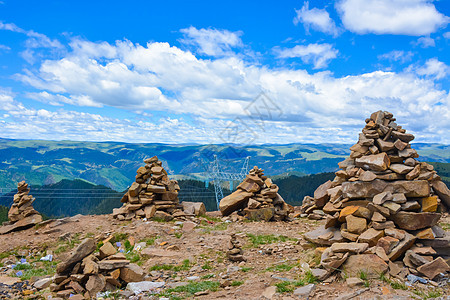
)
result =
(284, 258)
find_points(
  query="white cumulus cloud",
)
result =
(317, 19)
(397, 55)
(319, 55)
(434, 68)
(425, 42)
(403, 17)
(210, 41)
(199, 97)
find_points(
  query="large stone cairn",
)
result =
(22, 207)
(257, 197)
(87, 273)
(151, 195)
(381, 202)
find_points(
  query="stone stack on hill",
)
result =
(257, 198)
(235, 252)
(21, 214)
(153, 194)
(87, 273)
(382, 206)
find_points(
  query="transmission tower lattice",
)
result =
(218, 177)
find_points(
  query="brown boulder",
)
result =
(355, 224)
(433, 268)
(233, 202)
(385, 145)
(361, 189)
(249, 186)
(400, 168)
(321, 195)
(95, 284)
(349, 247)
(325, 237)
(370, 264)
(387, 243)
(414, 173)
(429, 204)
(194, 208)
(132, 273)
(110, 265)
(376, 162)
(367, 176)
(416, 188)
(86, 247)
(414, 221)
(347, 211)
(21, 224)
(405, 137)
(442, 191)
(402, 246)
(149, 211)
(371, 236)
(134, 189)
(380, 198)
(107, 250)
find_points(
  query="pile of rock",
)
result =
(151, 195)
(21, 214)
(382, 206)
(235, 252)
(257, 198)
(87, 273)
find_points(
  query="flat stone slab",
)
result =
(440, 245)
(155, 252)
(25, 223)
(9, 280)
(414, 221)
(371, 264)
(325, 237)
(361, 189)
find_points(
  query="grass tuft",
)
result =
(264, 239)
(237, 283)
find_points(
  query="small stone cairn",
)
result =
(87, 273)
(23, 204)
(235, 252)
(382, 208)
(151, 195)
(21, 215)
(257, 198)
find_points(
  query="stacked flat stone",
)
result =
(87, 273)
(152, 194)
(257, 198)
(235, 252)
(380, 203)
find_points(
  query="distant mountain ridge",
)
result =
(114, 164)
(70, 197)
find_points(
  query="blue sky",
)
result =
(222, 72)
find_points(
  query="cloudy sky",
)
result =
(228, 72)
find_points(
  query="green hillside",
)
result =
(71, 197)
(113, 164)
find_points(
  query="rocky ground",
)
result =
(190, 259)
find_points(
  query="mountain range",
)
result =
(114, 164)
